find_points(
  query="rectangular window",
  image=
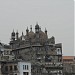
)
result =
(7, 52)
(23, 67)
(25, 73)
(59, 51)
(10, 52)
(4, 52)
(15, 67)
(10, 68)
(6, 68)
(18, 52)
(27, 67)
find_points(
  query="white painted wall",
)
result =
(21, 70)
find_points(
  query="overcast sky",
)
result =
(55, 15)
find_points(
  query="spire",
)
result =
(45, 30)
(36, 23)
(17, 35)
(22, 38)
(13, 35)
(17, 32)
(37, 28)
(27, 31)
(22, 33)
(30, 27)
(13, 30)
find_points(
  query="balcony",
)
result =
(54, 65)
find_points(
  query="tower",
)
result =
(37, 28)
(17, 35)
(45, 31)
(13, 36)
(22, 38)
(27, 31)
(30, 27)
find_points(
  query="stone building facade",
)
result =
(43, 53)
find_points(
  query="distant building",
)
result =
(5, 52)
(68, 59)
(34, 54)
(43, 53)
(16, 68)
(69, 65)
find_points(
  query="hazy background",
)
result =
(56, 15)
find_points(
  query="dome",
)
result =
(31, 34)
(37, 26)
(43, 36)
(13, 33)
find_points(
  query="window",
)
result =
(15, 67)
(18, 52)
(59, 59)
(10, 68)
(25, 67)
(4, 52)
(7, 52)
(59, 51)
(25, 73)
(10, 52)
(6, 68)
(37, 48)
(39, 60)
(48, 58)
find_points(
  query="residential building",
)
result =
(5, 52)
(16, 67)
(24, 68)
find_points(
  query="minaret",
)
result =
(17, 35)
(27, 31)
(22, 36)
(30, 27)
(13, 36)
(46, 31)
(37, 28)
(22, 33)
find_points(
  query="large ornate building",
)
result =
(35, 47)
